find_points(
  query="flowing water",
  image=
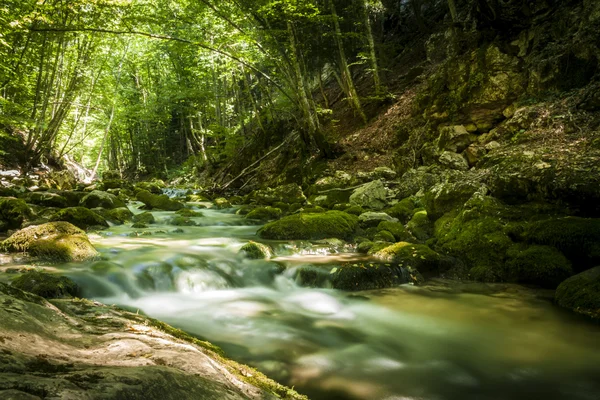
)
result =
(445, 340)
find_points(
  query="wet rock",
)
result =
(12, 213)
(144, 218)
(179, 220)
(403, 210)
(396, 229)
(97, 199)
(73, 197)
(221, 203)
(159, 202)
(46, 199)
(581, 293)
(309, 226)
(255, 251)
(539, 265)
(139, 225)
(264, 214)
(372, 195)
(54, 241)
(154, 187)
(81, 217)
(418, 256)
(371, 219)
(118, 216)
(186, 212)
(46, 285)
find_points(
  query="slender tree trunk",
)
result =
(453, 12)
(372, 50)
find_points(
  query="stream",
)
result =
(444, 340)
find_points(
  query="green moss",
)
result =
(402, 210)
(399, 232)
(47, 199)
(256, 251)
(420, 225)
(577, 238)
(21, 240)
(265, 213)
(221, 203)
(178, 220)
(160, 202)
(370, 276)
(65, 248)
(186, 212)
(412, 255)
(313, 210)
(384, 236)
(364, 247)
(79, 216)
(144, 218)
(581, 293)
(139, 225)
(46, 285)
(539, 265)
(332, 224)
(245, 209)
(101, 199)
(12, 213)
(118, 216)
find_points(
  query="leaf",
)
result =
(334, 270)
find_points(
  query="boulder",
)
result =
(81, 217)
(221, 203)
(264, 214)
(12, 213)
(159, 202)
(453, 161)
(97, 199)
(581, 293)
(396, 229)
(186, 212)
(255, 251)
(54, 241)
(46, 199)
(371, 219)
(144, 218)
(117, 216)
(539, 265)
(372, 195)
(46, 285)
(453, 139)
(418, 256)
(420, 225)
(311, 226)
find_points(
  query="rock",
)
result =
(46, 199)
(354, 210)
(118, 216)
(397, 230)
(73, 197)
(581, 293)
(264, 214)
(12, 213)
(159, 202)
(256, 251)
(420, 225)
(372, 195)
(186, 212)
(46, 285)
(97, 199)
(384, 236)
(303, 226)
(139, 225)
(340, 179)
(448, 196)
(493, 145)
(403, 210)
(144, 218)
(288, 194)
(221, 203)
(179, 220)
(55, 241)
(115, 355)
(369, 219)
(474, 153)
(454, 139)
(154, 187)
(454, 161)
(81, 217)
(539, 265)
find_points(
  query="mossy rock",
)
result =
(384, 236)
(538, 265)
(417, 256)
(313, 210)
(12, 213)
(257, 251)
(577, 238)
(47, 199)
(402, 210)
(245, 209)
(221, 203)
(371, 219)
(73, 197)
(179, 220)
(265, 214)
(420, 225)
(398, 231)
(21, 240)
(354, 210)
(152, 187)
(139, 225)
(97, 199)
(581, 293)
(284, 207)
(371, 276)
(188, 213)
(79, 216)
(46, 285)
(197, 198)
(364, 246)
(118, 216)
(159, 202)
(144, 218)
(305, 226)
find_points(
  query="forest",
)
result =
(324, 199)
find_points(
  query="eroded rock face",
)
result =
(64, 350)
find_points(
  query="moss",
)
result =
(581, 293)
(369, 276)
(178, 220)
(47, 199)
(46, 285)
(79, 216)
(332, 224)
(265, 213)
(118, 216)
(313, 210)
(416, 256)
(402, 210)
(101, 199)
(21, 240)
(365, 246)
(196, 198)
(160, 202)
(539, 265)
(152, 187)
(12, 213)
(221, 203)
(144, 218)
(577, 238)
(186, 212)
(399, 232)
(420, 225)
(256, 251)
(384, 236)
(139, 225)
(65, 248)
